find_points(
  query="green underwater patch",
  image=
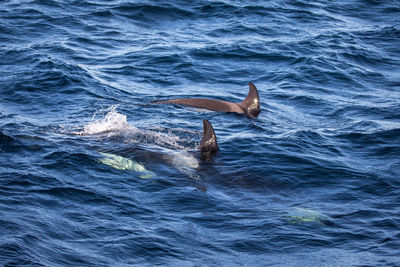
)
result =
(297, 215)
(122, 163)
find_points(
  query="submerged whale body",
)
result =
(183, 161)
(250, 106)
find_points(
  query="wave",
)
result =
(147, 14)
(5, 139)
(391, 136)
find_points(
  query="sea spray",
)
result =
(112, 122)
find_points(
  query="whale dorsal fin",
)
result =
(251, 104)
(209, 141)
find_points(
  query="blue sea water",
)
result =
(93, 174)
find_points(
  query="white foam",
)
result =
(162, 139)
(183, 161)
(111, 122)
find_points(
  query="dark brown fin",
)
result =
(209, 141)
(210, 104)
(251, 104)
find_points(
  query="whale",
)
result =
(250, 106)
(187, 163)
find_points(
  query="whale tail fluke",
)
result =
(251, 104)
(208, 143)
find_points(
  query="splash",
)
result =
(112, 122)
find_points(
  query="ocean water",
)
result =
(93, 174)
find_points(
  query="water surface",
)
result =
(92, 173)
